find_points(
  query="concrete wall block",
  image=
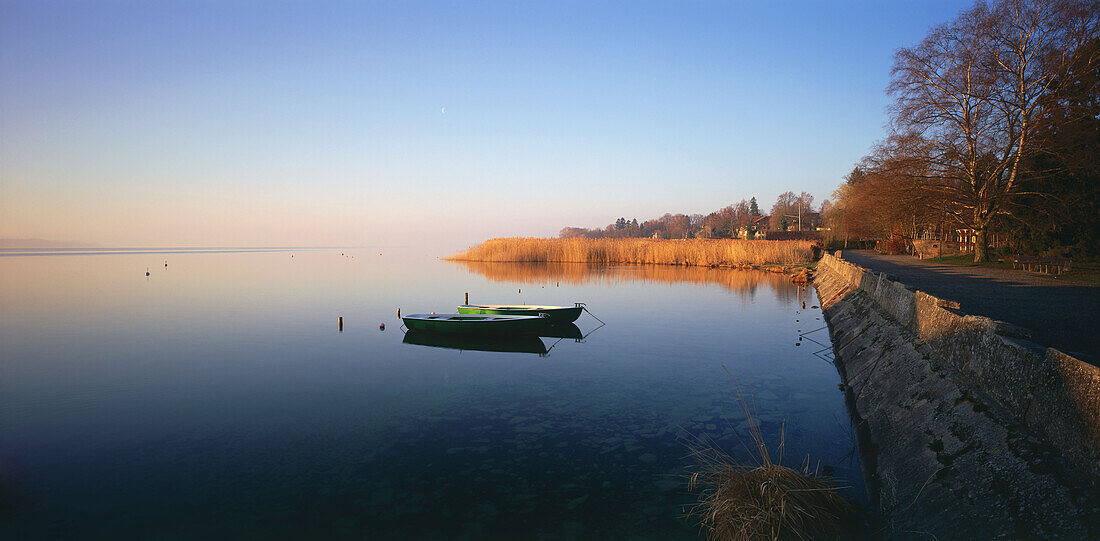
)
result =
(856, 275)
(829, 286)
(867, 282)
(1082, 385)
(852, 274)
(897, 300)
(1066, 409)
(932, 321)
(1004, 371)
(849, 274)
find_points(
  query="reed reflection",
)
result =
(744, 283)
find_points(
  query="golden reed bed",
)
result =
(689, 252)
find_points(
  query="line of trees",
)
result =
(722, 223)
(995, 127)
(729, 222)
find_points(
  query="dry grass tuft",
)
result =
(764, 499)
(691, 252)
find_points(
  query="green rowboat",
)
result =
(557, 314)
(476, 323)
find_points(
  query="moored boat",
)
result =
(476, 323)
(557, 314)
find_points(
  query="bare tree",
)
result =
(741, 216)
(782, 207)
(970, 95)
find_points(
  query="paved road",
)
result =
(1059, 315)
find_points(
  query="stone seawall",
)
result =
(966, 430)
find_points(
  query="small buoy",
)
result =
(381, 326)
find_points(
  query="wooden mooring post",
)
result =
(341, 323)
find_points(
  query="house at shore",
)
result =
(757, 229)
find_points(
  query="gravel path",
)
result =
(1060, 315)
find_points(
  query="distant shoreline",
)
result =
(125, 251)
(41, 244)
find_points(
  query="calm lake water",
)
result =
(217, 398)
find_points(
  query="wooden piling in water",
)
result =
(341, 323)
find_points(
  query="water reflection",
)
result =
(216, 397)
(569, 330)
(742, 282)
(509, 343)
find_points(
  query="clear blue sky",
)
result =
(358, 123)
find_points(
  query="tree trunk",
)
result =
(980, 255)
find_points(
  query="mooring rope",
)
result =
(585, 308)
(547, 354)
